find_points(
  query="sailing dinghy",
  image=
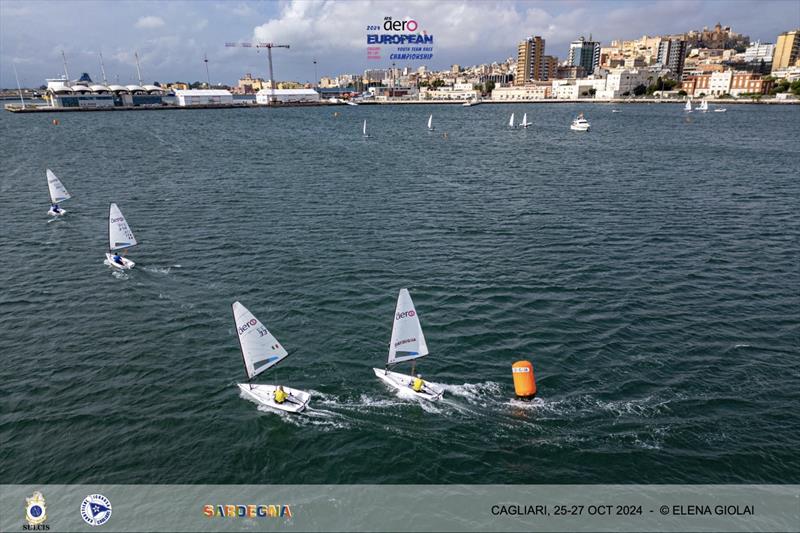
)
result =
(688, 107)
(525, 122)
(511, 121)
(430, 123)
(261, 351)
(58, 193)
(365, 129)
(407, 344)
(120, 237)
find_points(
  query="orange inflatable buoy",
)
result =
(524, 380)
(55, 122)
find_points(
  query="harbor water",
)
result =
(648, 269)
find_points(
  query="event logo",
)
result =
(96, 509)
(244, 327)
(404, 39)
(247, 511)
(35, 513)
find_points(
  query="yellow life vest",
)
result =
(280, 396)
(418, 384)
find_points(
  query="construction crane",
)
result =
(269, 47)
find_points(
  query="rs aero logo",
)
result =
(247, 325)
(405, 314)
(399, 25)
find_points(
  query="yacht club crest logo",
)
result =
(35, 512)
(96, 509)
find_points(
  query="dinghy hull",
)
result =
(265, 395)
(54, 214)
(403, 382)
(127, 263)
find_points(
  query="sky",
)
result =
(172, 37)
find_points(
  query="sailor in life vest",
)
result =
(280, 395)
(418, 383)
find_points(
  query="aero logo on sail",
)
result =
(404, 314)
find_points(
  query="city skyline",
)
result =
(173, 37)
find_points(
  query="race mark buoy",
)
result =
(524, 380)
(55, 122)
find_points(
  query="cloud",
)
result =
(149, 22)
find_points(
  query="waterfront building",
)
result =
(285, 96)
(787, 50)
(788, 73)
(462, 91)
(569, 72)
(730, 82)
(203, 97)
(671, 55)
(532, 91)
(250, 85)
(530, 66)
(549, 67)
(621, 82)
(585, 54)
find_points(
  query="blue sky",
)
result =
(172, 36)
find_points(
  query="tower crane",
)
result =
(269, 47)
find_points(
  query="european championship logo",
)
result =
(35, 513)
(247, 511)
(96, 509)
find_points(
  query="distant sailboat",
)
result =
(407, 344)
(430, 123)
(525, 122)
(365, 129)
(262, 351)
(120, 237)
(703, 106)
(511, 121)
(688, 106)
(58, 193)
(720, 110)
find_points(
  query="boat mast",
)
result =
(208, 77)
(64, 58)
(103, 69)
(241, 350)
(22, 100)
(138, 70)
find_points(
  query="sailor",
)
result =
(418, 383)
(280, 395)
(118, 259)
(55, 208)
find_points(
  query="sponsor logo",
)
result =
(118, 219)
(35, 513)
(247, 325)
(403, 40)
(405, 314)
(520, 370)
(96, 509)
(247, 511)
(404, 341)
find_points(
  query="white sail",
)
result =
(120, 235)
(260, 349)
(511, 121)
(365, 127)
(688, 106)
(430, 122)
(58, 193)
(525, 119)
(703, 106)
(407, 342)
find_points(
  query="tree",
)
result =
(639, 90)
(437, 83)
(592, 91)
(488, 87)
(795, 88)
(626, 93)
(682, 93)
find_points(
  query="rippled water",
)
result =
(649, 269)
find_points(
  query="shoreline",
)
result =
(17, 108)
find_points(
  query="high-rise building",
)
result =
(530, 66)
(672, 54)
(787, 50)
(549, 67)
(583, 53)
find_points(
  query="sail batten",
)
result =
(120, 235)
(408, 341)
(58, 193)
(260, 349)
